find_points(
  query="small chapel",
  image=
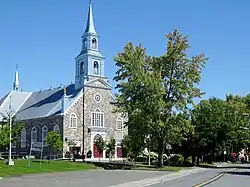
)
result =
(80, 112)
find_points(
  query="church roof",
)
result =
(30, 105)
(45, 103)
(90, 27)
(16, 99)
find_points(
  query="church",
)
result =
(81, 112)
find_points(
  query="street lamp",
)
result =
(10, 161)
(149, 159)
(148, 138)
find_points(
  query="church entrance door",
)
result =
(119, 152)
(95, 148)
(96, 153)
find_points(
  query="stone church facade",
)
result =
(80, 112)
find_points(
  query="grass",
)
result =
(207, 165)
(21, 167)
(155, 168)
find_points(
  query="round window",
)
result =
(97, 98)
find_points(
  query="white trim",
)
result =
(44, 127)
(107, 85)
(101, 115)
(23, 138)
(100, 98)
(32, 132)
(70, 117)
(57, 129)
(119, 119)
(93, 134)
(80, 94)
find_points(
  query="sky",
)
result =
(43, 38)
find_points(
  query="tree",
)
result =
(110, 147)
(100, 144)
(17, 127)
(156, 91)
(55, 142)
(219, 126)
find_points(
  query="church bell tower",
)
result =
(89, 63)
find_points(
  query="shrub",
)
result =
(188, 159)
(177, 159)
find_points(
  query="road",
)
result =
(238, 177)
(93, 178)
(184, 178)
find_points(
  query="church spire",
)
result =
(90, 27)
(16, 80)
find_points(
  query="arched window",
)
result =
(57, 129)
(94, 43)
(84, 43)
(97, 137)
(33, 135)
(23, 138)
(96, 67)
(44, 135)
(81, 67)
(119, 123)
(97, 118)
(73, 121)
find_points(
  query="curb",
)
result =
(210, 180)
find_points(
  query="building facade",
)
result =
(81, 112)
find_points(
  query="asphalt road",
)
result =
(238, 177)
(86, 179)
(192, 179)
(184, 178)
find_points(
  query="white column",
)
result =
(116, 151)
(91, 145)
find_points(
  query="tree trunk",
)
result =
(99, 156)
(160, 153)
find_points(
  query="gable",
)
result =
(99, 83)
(16, 99)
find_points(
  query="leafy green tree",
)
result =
(156, 92)
(54, 140)
(110, 148)
(101, 145)
(219, 126)
(17, 127)
(132, 147)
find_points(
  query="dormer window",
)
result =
(94, 43)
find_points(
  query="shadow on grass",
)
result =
(42, 161)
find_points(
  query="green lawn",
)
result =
(21, 167)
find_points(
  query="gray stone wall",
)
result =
(39, 123)
(90, 105)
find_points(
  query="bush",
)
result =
(177, 159)
(188, 160)
(89, 154)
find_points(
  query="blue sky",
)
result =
(43, 37)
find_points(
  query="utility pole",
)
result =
(149, 159)
(10, 161)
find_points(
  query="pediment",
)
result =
(99, 83)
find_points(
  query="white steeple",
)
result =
(16, 81)
(90, 62)
(90, 27)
